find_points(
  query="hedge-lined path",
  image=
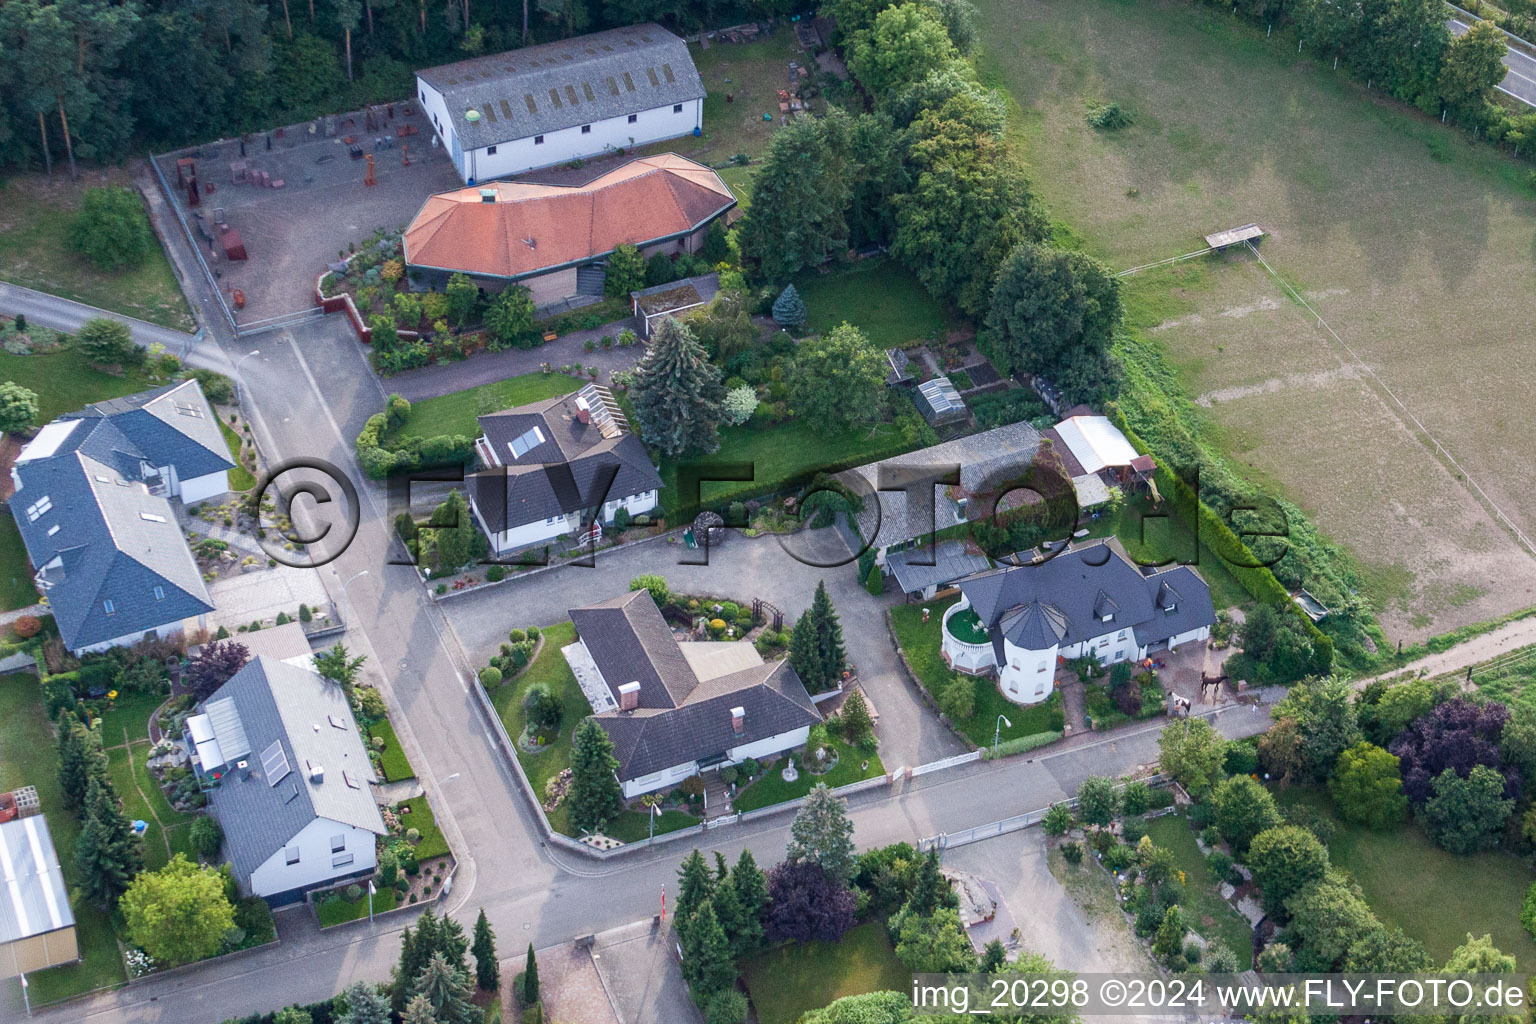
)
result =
(1509, 637)
(488, 367)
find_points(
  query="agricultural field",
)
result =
(1413, 244)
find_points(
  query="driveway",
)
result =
(741, 568)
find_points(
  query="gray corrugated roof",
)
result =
(524, 490)
(1077, 587)
(680, 719)
(950, 562)
(283, 703)
(33, 899)
(545, 88)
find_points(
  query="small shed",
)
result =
(234, 245)
(670, 299)
(950, 562)
(1223, 240)
(898, 362)
(940, 402)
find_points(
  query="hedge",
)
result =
(379, 461)
(1019, 745)
(1257, 580)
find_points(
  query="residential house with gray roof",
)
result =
(291, 780)
(506, 113)
(556, 467)
(92, 505)
(1090, 599)
(676, 709)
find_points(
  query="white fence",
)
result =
(948, 762)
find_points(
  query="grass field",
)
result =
(16, 588)
(921, 643)
(880, 297)
(1412, 242)
(63, 382)
(421, 818)
(343, 910)
(780, 452)
(33, 228)
(392, 758)
(1211, 915)
(455, 413)
(789, 980)
(28, 757)
(1163, 539)
(1406, 879)
(772, 789)
(240, 478)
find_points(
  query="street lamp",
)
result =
(238, 363)
(652, 818)
(997, 733)
(348, 583)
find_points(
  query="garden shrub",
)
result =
(27, 626)
(490, 676)
(495, 574)
(1118, 857)
(1073, 852)
(1528, 910)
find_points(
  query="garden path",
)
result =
(160, 829)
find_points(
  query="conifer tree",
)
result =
(707, 964)
(107, 852)
(531, 977)
(677, 393)
(855, 717)
(993, 957)
(789, 309)
(416, 949)
(487, 970)
(752, 897)
(695, 884)
(446, 991)
(452, 943)
(829, 633)
(364, 1005)
(727, 906)
(822, 833)
(805, 655)
(418, 1011)
(931, 890)
(594, 795)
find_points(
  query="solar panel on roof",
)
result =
(666, 71)
(586, 87)
(570, 94)
(629, 83)
(528, 439)
(554, 97)
(274, 763)
(651, 74)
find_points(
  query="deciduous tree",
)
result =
(106, 343)
(18, 408)
(1098, 801)
(1327, 722)
(625, 271)
(904, 44)
(1367, 788)
(214, 665)
(838, 380)
(1048, 306)
(806, 903)
(1241, 810)
(1472, 66)
(1192, 752)
(1467, 814)
(1284, 861)
(179, 913)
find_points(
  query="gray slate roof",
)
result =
(950, 562)
(545, 88)
(295, 707)
(680, 719)
(536, 485)
(173, 426)
(33, 899)
(1063, 600)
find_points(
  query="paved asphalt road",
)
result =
(66, 315)
(1521, 80)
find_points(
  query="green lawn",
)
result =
(1163, 539)
(169, 830)
(421, 818)
(751, 73)
(632, 827)
(341, 911)
(1435, 896)
(772, 789)
(34, 253)
(921, 643)
(880, 297)
(788, 980)
(392, 758)
(548, 668)
(781, 452)
(64, 382)
(240, 478)
(966, 627)
(16, 589)
(131, 712)
(455, 413)
(1209, 914)
(28, 758)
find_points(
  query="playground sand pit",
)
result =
(290, 233)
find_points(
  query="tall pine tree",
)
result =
(531, 977)
(677, 393)
(805, 653)
(487, 970)
(829, 634)
(707, 964)
(752, 898)
(416, 949)
(106, 852)
(365, 1005)
(595, 796)
(452, 943)
(931, 890)
(727, 906)
(695, 884)
(447, 992)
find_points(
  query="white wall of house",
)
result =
(1109, 647)
(318, 859)
(771, 745)
(635, 503)
(173, 628)
(1029, 676)
(525, 535)
(514, 156)
(201, 488)
(659, 780)
(1188, 636)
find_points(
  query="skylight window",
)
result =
(159, 593)
(150, 517)
(189, 410)
(109, 607)
(36, 510)
(346, 777)
(274, 763)
(529, 439)
(53, 529)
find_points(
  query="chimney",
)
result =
(317, 773)
(738, 720)
(583, 413)
(629, 696)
